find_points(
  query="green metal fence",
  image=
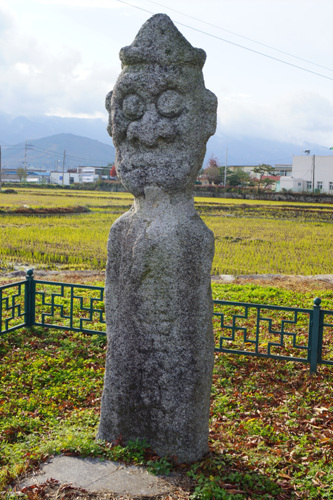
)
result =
(65, 306)
(286, 333)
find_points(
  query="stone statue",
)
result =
(158, 300)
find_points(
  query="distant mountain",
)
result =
(51, 152)
(52, 129)
(253, 151)
(20, 129)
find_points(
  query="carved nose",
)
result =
(150, 128)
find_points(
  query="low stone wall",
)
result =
(216, 192)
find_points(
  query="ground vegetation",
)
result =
(68, 230)
(270, 425)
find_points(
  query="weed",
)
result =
(161, 466)
(262, 237)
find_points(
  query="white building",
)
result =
(87, 174)
(291, 184)
(279, 169)
(244, 168)
(38, 177)
(310, 173)
(79, 175)
(33, 176)
(283, 169)
(64, 179)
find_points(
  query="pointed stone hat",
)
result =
(160, 42)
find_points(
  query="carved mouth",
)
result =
(136, 165)
(175, 163)
(148, 161)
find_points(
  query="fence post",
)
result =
(29, 303)
(315, 335)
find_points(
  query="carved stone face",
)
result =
(160, 120)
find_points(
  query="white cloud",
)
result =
(61, 57)
(296, 117)
(105, 4)
(311, 112)
(36, 78)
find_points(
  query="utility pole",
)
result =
(313, 171)
(0, 170)
(225, 169)
(63, 167)
(25, 157)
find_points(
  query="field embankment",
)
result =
(41, 228)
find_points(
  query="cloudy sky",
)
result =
(60, 57)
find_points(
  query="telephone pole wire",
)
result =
(0, 170)
(225, 169)
(63, 167)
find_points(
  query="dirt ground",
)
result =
(296, 283)
(183, 486)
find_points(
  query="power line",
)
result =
(0, 170)
(38, 149)
(236, 44)
(51, 153)
(241, 36)
(15, 146)
(73, 157)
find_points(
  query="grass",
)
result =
(70, 242)
(250, 238)
(36, 198)
(260, 246)
(270, 425)
(238, 201)
(271, 422)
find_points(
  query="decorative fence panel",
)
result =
(12, 307)
(286, 333)
(267, 331)
(68, 306)
(326, 326)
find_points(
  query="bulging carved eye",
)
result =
(133, 107)
(170, 103)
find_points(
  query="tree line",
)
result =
(215, 174)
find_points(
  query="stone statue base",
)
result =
(159, 320)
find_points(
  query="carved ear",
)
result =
(210, 101)
(108, 102)
(108, 108)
